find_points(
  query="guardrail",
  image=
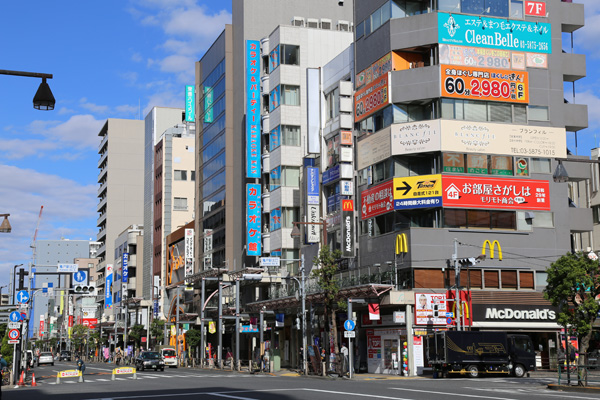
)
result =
(124, 371)
(70, 373)
(581, 375)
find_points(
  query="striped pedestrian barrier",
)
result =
(70, 373)
(124, 371)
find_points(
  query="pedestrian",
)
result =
(80, 366)
(3, 365)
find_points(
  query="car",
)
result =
(45, 357)
(169, 356)
(149, 360)
(65, 355)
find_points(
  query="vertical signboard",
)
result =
(348, 228)
(108, 286)
(208, 246)
(253, 222)
(313, 96)
(125, 265)
(189, 252)
(190, 103)
(312, 185)
(253, 109)
(314, 214)
(208, 102)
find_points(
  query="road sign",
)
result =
(80, 276)
(15, 316)
(13, 341)
(349, 334)
(270, 261)
(449, 321)
(14, 334)
(14, 325)
(349, 325)
(67, 268)
(23, 316)
(22, 296)
(449, 315)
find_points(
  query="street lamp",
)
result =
(43, 99)
(5, 227)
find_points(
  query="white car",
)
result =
(170, 357)
(45, 358)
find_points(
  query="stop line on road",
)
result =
(93, 379)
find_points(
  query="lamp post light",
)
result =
(5, 226)
(43, 99)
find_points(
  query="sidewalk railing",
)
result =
(581, 375)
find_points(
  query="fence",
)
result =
(581, 375)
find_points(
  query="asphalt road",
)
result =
(187, 383)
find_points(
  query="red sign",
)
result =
(41, 328)
(535, 8)
(371, 98)
(90, 322)
(502, 193)
(377, 200)
(347, 205)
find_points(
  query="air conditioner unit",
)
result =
(297, 21)
(312, 23)
(343, 26)
(325, 24)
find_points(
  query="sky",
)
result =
(118, 59)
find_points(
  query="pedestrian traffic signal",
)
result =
(85, 289)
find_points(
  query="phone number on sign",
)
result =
(532, 152)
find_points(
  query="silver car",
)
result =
(45, 358)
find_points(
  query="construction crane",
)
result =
(36, 232)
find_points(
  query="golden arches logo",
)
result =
(464, 309)
(401, 243)
(492, 246)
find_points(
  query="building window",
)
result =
(193, 175)
(180, 204)
(479, 219)
(596, 214)
(290, 95)
(274, 99)
(516, 9)
(290, 135)
(290, 176)
(180, 175)
(274, 59)
(290, 54)
(484, 111)
(538, 113)
(289, 215)
(332, 100)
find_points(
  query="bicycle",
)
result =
(5, 376)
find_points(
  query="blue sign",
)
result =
(190, 103)
(449, 314)
(494, 33)
(449, 321)
(253, 150)
(22, 296)
(312, 185)
(253, 220)
(125, 265)
(108, 300)
(14, 316)
(80, 276)
(249, 329)
(155, 308)
(331, 175)
(275, 219)
(421, 202)
(349, 325)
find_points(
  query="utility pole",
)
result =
(304, 342)
(457, 285)
(177, 328)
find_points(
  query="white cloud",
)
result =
(95, 108)
(587, 36)
(195, 22)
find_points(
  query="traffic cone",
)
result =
(33, 379)
(22, 379)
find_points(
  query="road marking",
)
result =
(373, 396)
(454, 394)
(229, 396)
(543, 392)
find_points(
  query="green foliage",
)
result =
(192, 338)
(157, 329)
(78, 336)
(7, 349)
(572, 285)
(135, 333)
(3, 329)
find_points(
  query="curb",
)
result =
(580, 389)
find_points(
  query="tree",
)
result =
(78, 335)
(192, 339)
(135, 333)
(324, 270)
(6, 349)
(572, 285)
(157, 329)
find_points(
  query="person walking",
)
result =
(80, 366)
(3, 365)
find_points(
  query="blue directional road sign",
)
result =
(80, 276)
(14, 316)
(349, 325)
(22, 296)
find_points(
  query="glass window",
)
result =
(416, 7)
(274, 59)
(540, 165)
(502, 165)
(290, 95)
(449, 5)
(448, 109)
(290, 135)
(475, 110)
(478, 219)
(360, 30)
(516, 9)
(368, 26)
(543, 219)
(213, 184)
(180, 204)
(180, 175)
(193, 175)
(496, 8)
(275, 181)
(274, 99)
(275, 220)
(213, 166)
(289, 215)
(290, 54)
(500, 112)
(333, 104)
(290, 176)
(520, 114)
(540, 279)
(538, 113)
(275, 138)
(214, 148)
(213, 131)
(385, 13)
(376, 20)
(455, 218)
(212, 203)
(472, 6)
(503, 220)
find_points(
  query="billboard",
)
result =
(372, 97)
(375, 70)
(108, 300)
(190, 103)
(208, 104)
(377, 200)
(373, 149)
(253, 162)
(496, 193)
(313, 231)
(312, 185)
(417, 192)
(416, 137)
(494, 33)
(189, 252)
(425, 304)
(348, 228)
(253, 221)
(474, 83)
(125, 267)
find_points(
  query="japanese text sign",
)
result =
(253, 109)
(372, 98)
(377, 200)
(417, 192)
(253, 222)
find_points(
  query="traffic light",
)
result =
(22, 275)
(436, 312)
(89, 289)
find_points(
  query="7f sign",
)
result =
(535, 8)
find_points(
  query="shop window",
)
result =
(491, 280)
(453, 162)
(526, 280)
(502, 165)
(509, 279)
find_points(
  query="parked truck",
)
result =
(473, 353)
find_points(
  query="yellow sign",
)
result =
(418, 192)
(492, 246)
(401, 244)
(211, 327)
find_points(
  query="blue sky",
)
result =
(117, 59)
(110, 59)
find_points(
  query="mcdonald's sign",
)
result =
(492, 246)
(347, 205)
(401, 243)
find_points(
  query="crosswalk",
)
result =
(140, 376)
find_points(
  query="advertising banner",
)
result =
(372, 97)
(348, 228)
(312, 231)
(375, 70)
(125, 267)
(208, 102)
(515, 140)
(502, 193)
(275, 219)
(190, 103)
(108, 300)
(313, 94)
(189, 252)
(253, 162)
(373, 149)
(416, 137)
(312, 185)
(474, 83)
(377, 200)
(90, 322)
(253, 222)
(494, 33)
(417, 192)
(426, 304)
